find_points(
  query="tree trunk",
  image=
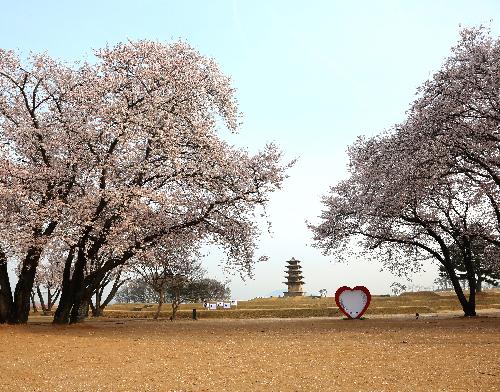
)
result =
(97, 307)
(175, 306)
(92, 308)
(63, 310)
(22, 293)
(40, 297)
(33, 303)
(83, 290)
(81, 299)
(5, 290)
(80, 310)
(458, 290)
(160, 303)
(479, 284)
(97, 311)
(471, 278)
(49, 297)
(55, 297)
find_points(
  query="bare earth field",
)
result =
(395, 353)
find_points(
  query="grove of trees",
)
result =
(136, 291)
(429, 187)
(176, 290)
(102, 162)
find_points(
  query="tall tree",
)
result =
(170, 269)
(429, 184)
(36, 176)
(114, 157)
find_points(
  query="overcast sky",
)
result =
(311, 76)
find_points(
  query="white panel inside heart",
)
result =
(353, 302)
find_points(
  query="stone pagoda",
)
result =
(294, 279)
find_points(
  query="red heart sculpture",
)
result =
(353, 302)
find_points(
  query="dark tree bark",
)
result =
(81, 312)
(93, 309)
(49, 298)
(63, 310)
(22, 294)
(80, 304)
(40, 297)
(33, 302)
(77, 289)
(24, 287)
(6, 301)
(467, 307)
(471, 278)
(55, 298)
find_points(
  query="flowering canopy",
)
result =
(113, 156)
(432, 181)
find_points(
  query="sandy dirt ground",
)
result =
(378, 354)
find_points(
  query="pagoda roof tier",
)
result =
(298, 282)
(293, 277)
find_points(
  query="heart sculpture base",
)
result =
(353, 302)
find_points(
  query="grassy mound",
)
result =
(406, 303)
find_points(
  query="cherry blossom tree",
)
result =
(170, 269)
(114, 157)
(36, 175)
(48, 278)
(428, 184)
